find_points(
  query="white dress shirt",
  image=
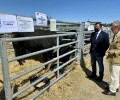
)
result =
(98, 33)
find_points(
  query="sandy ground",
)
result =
(75, 86)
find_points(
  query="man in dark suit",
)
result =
(99, 44)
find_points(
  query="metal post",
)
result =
(57, 56)
(79, 49)
(81, 43)
(82, 36)
(5, 70)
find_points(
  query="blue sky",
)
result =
(105, 11)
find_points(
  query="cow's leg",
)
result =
(18, 51)
(49, 65)
(21, 61)
(48, 57)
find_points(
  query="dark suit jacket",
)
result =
(101, 43)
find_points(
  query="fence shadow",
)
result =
(83, 65)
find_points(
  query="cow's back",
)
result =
(36, 44)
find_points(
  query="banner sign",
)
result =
(8, 23)
(41, 19)
(87, 24)
(91, 28)
(52, 25)
(25, 24)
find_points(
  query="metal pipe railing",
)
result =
(79, 49)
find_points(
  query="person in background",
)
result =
(99, 44)
(113, 56)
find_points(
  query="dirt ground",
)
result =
(76, 86)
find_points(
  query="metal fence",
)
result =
(5, 61)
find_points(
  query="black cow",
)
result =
(70, 38)
(21, 47)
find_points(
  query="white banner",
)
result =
(41, 19)
(8, 23)
(25, 24)
(52, 25)
(87, 24)
(91, 28)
